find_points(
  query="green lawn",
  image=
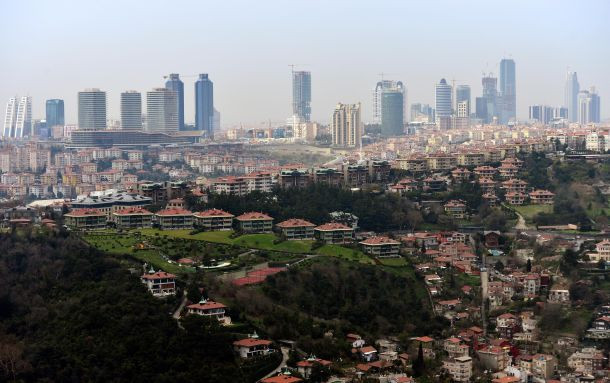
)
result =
(344, 253)
(529, 211)
(395, 262)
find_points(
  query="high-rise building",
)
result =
(55, 113)
(346, 126)
(588, 107)
(92, 109)
(462, 93)
(481, 109)
(301, 95)
(162, 111)
(131, 110)
(443, 99)
(560, 113)
(204, 105)
(571, 96)
(541, 113)
(508, 91)
(490, 94)
(18, 117)
(463, 109)
(392, 110)
(174, 83)
(378, 97)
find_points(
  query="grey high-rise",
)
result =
(92, 109)
(443, 99)
(161, 111)
(392, 112)
(508, 91)
(55, 113)
(490, 94)
(301, 95)
(174, 83)
(204, 105)
(571, 96)
(131, 110)
(462, 93)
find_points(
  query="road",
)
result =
(279, 368)
(179, 310)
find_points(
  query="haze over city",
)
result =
(55, 49)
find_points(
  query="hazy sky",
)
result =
(53, 49)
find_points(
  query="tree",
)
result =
(528, 266)
(499, 265)
(419, 365)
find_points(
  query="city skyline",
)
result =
(261, 90)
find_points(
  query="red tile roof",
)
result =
(158, 275)
(295, 222)
(209, 305)
(251, 216)
(331, 226)
(213, 213)
(251, 342)
(381, 240)
(85, 213)
(132, 211)
(282, 379)
(174, 211)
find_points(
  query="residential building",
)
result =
(204, 105)
(455, 209)
(588, 107)
(213, 220)
(131, 110)
(305, 367)
(301, 95)
(455, 347)
(108, 203)
(541, 197)
(601, 253)
(494, 358)
(559, 294)
(160, 283)
(210, 309)
(174, 219)
(252, 347)
(85, 219)
(132, 218)
(254, 222)
(296, 229)
(346, 126)
(382, 247)
(282, 378)
(161, 111)
(334, 232)
(176, 85)
(92, 109)
(459, 368)
(587, 360)
(541, 113)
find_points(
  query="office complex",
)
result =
(18, 117)
(588, 107)
(346, 126)
(378, 97)
(508, 110)
(422, 113)
(175, 84)
(131, 110)
(490, 95)
(92, 109)
(571, 96)
(443, 99)
(55, 113)
(204, 105)
(162, 111)
(301, 95)
(541, 113)
(462, 94)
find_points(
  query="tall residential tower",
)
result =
(301, 95)
(346, 126)
(92, 109)
(175, 84)
(204, 105)
(131, 110)
(571, 96)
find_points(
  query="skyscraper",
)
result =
(378, 97)
(301, 95)
(18, 117)
(443, 99)
(55, 113)
(392, 112)
(490, 94)
(174, 83)
(346, 126)
(92, 109)
(462, 93)
(162, 111)
(571, 96)
(588, 107)
(481, 109)
(204, 105)
(508, 91)
(131, 110)
(541, 113)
